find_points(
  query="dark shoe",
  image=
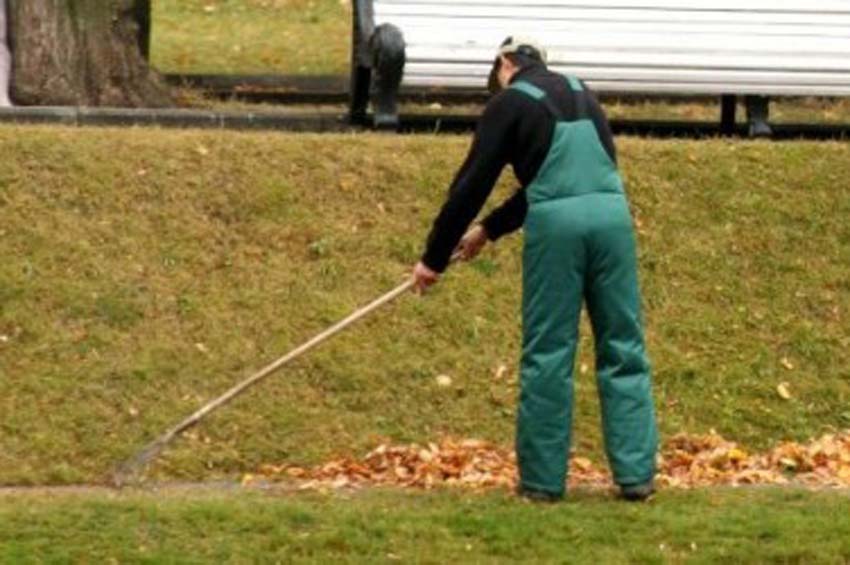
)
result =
(538, 495)
(638, 492)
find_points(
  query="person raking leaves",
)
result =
(579, 246)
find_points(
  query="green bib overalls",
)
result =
(580, 245)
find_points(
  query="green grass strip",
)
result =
(750, 525)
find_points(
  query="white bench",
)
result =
(5, 59)
(658, 47)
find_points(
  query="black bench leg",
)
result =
(728, 106)
(758, 109)
(361, 79)
(388, 57)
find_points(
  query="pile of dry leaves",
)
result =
(685, 462)
(711, 460)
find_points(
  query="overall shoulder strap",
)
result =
(537, 94)
(579, 95)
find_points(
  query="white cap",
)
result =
(523, 46)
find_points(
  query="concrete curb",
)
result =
(336, 122)
(176, 118)
(337, 84)
(310, 89)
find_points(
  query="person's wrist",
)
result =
(483, 226)
(428, 261)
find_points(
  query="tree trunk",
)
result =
(82, 53)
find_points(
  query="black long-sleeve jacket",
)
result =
(517, 130)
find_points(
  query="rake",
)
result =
(129, 470)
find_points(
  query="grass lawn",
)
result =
(143, 271)
(251, 36)
(752, 526)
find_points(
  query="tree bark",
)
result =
(82, 53)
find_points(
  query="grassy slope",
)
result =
(145, 271)
(386, 527)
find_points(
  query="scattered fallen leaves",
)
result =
(784, 391)
(684, 462)
(444, 380)
(501, 371)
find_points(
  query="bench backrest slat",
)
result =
(655, 46)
